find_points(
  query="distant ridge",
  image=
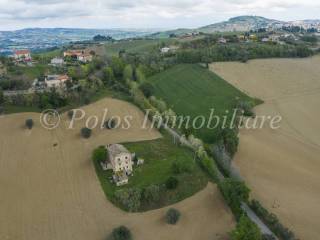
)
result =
(239, 24)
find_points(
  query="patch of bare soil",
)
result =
(282, 166)
(49, 188)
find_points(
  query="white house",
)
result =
(22, 55)
(222, 40)
(165, 50)
(56, 81)
(57, 61)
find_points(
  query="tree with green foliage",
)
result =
(117, 66)
(147, 89)
(70, 114)
(108, 76)
(121, 233)
(129, 198)
(230, 140)
(140, 75)
(172, 183)
(179, 167)
(110, 124)
(158, 104)
(86, 132)
(246, 230)
(206, 60)
(1, 97)
(128, 73)
(172, 216)
(152, 193)
(310, 38)
(29, 123)
(209, 166)
(99, 154)
(234, 192)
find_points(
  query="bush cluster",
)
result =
(272, 221)
(172, 216)
(29, 123)
(172, 183)
(246, 230)
(234, 192)
(86, 132)
(121, 233)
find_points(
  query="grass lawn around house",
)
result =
(159, 156)
(192, 90)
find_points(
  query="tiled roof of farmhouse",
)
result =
(20, 52)
(115, 149)
(75, 52)
(57, 77)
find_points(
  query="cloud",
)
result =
(123, 13)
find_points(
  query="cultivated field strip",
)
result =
(52, 192)
(282, 166)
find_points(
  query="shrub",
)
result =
(246, 107)
(246, 230)
(110, 124)
(230, 140)
(130, 198)
(99, 154)
(152, 193)
(179, 167)
(172, 183)
(121, 233)
(208, 165)
(234, 193)
(172, 216)
(29, 123)
(147, 89)
(272, 221)
(70, 114)
(1, 97)
(86, 132)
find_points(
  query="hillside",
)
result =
(241, 23)
(43, 38)
(278, 164)
(191, 90)
(48, 182)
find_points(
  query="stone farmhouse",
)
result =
(120, 161)
(56, 81)
(81, 55)
(57, 61)
(22, 55)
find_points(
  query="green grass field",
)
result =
(134, 46)
(191, 90)
(159, 155)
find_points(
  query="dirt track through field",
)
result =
(52, 192)
(282, 166)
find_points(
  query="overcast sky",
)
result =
(166, 14)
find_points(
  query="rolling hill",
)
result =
(239, 24)
(191, 90)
